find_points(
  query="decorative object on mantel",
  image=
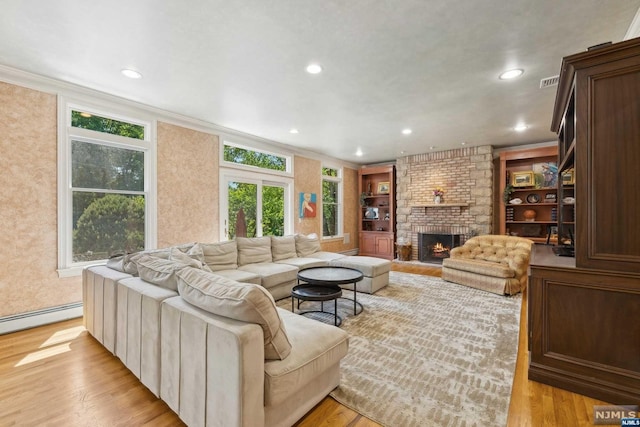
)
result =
(515, 201)
(438, 194)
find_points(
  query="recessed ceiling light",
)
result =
(520, 128)
(294, 130)
(132, 74)
(406, 131)
(511, 74)
(359, 153)
(463, 143)
(314, 69)
(432, 147)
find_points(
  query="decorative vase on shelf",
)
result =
(437, 200)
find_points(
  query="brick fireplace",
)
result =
(465, 174)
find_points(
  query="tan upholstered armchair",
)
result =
(492, 263)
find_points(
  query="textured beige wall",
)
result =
(187, 186)
(28, 204)
(308, 179)
(188, 206)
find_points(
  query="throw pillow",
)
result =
(283, 247)
(159, 271)
(253, 250)
(307, 245)
(240, 301)
(191, 259)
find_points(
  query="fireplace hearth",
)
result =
(434, 247)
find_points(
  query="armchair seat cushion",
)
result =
(487, 268)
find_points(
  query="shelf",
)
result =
(532, 222)
(513, 205)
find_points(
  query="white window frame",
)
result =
(66, 134)
(260, 148)
(246, 173)
(340, 211)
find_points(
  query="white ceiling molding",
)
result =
(90, 96)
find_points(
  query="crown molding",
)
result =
(70, 90)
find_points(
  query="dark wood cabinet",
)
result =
(583, 312)
(377, 224)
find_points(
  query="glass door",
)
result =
(254, 208)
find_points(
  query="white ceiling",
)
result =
(430, 65)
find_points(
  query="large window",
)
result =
(104, 186)
(331, 202)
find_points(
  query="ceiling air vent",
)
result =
(549, 81)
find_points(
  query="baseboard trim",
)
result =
(42, 317)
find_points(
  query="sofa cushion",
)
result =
(369, 266)
(159, 271)
(221, 255)
(283, 247)
(302, 263)
(241, 276)
(307, 245)
(129, 260)
(240, 301)
(192, 259)
(272, 274)
(253, 250)
(316, 346)
(327, 256)
(485, 268)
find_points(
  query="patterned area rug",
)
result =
(425, 352)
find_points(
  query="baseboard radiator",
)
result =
(35, 318)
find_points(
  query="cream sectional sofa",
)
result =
(198, 325)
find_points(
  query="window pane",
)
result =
(242, 196)
(107, 168)
(85, 120)
(329, 192)
(329, 220)
(106, 224)
(254, 158)
(329, 172)
(272, 211)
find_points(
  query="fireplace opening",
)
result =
(434, 247)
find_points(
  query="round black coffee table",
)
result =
(317, 293)
(332, 277)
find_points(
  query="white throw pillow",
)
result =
(240, 301)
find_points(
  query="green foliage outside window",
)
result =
(254, 158)
(106, 125)
(111, 224)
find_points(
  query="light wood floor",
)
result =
(58, 375)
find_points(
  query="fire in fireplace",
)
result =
(436, 247)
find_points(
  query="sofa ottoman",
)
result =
(375, 271)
